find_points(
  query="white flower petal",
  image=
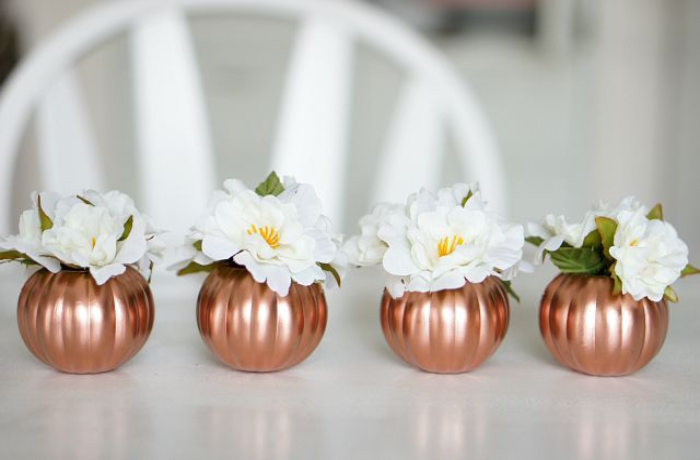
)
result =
(304, 198)
(512, 272)
(341, 265)
(551, 244)
(449, 280)
(135, 246)
(49, 201)
(203, 259)
(219, 248)
(395, 285)
(476, 274)
(649, 254)
(419, 284)
(52, 265)
(398, 261)
(325, 249)
(257, 270)
(103, 274)
(351, 248)
(277, 277)
(534, 229)
(309, 276)
(279, 280)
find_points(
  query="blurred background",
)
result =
(587, 100)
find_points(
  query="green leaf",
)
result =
(331, 269)
(606, 228)
(592, 240)
(28, 262)
(656, 213)
(690, 270)
(271, 186)
(534, 240)
(128, 225)
(509, 289)
(46, 222)
(670, 295)
(16, 256)
(84, 200)
(194, 267)
(578, 260)
(198, 245)
(12, 255)
(466, 198)
(617, 287)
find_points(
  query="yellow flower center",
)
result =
(269, 234)
(94, 242)
(447, 246)
(634, 243)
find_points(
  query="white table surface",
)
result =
(352, 398)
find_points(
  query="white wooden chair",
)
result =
(174, 150)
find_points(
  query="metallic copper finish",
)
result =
(70, 323)
(592, 331)
(448, 331)
(251, 328)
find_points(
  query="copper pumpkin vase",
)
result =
(450, 331)
(72, 324)
(250, 327)
(590, 330)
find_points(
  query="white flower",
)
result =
(521, 266)
(87, 231)
(630, 204)
(340, 263)
(647, 253)
(555, 230)
(278, 239)
(120, 204)
(439, 244)
(650, 256)
(188, 252)
(367, 248)
(28, 241)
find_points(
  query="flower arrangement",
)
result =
(276, 232)
(446, 257)
(268, 252)
(629, 242)
(438, 241)
(100, 233)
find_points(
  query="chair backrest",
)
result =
(175, 158)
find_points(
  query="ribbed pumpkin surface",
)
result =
(448, 331)
(251, 328)
(590, 330)
(69, 322)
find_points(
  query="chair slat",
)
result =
(312, 129)
(66, 148)
(415, 144)
(174, 158)
(477, 149)
(174, 148)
